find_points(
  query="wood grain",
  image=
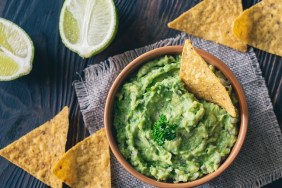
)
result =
(30, 101)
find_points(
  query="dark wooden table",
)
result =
(31, 100)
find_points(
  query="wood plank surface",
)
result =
(31, 100)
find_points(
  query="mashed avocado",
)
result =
(164, 131)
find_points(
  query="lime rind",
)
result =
(24, 64)
(81, 49)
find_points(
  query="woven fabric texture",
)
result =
(260, 159)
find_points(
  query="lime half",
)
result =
(88, 26)
(16, 51)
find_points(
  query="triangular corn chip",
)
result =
(261, 26)
(201, 81)
(87, 164)
(40, 149)
(212, 20)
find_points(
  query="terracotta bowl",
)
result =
(133, 66)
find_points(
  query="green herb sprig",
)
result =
(163, 130)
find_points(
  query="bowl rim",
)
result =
(169, 50)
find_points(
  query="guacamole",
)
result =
(164, 131)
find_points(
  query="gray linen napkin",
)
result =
(260, 160)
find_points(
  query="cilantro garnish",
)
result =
(163, 130)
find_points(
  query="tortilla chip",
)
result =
(212, 20)
(261, 26)
(87, 164)
(201, 81)
(40, 149)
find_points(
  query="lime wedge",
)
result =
(16, 51)
(88, 26)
